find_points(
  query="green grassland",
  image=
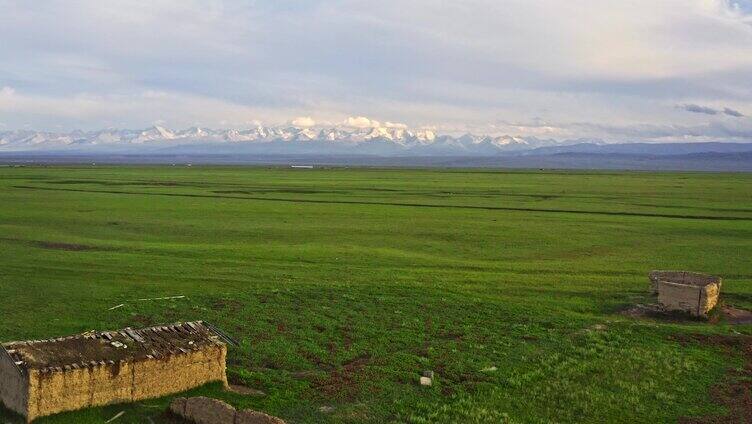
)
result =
(343, 285)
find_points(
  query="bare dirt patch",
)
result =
(343, 382)
(142, 320)
(736, 392)
(737, 316)
(347, 335)
(724, 314)
(231, 305)
(308, 375)
(451, 335)
(73, 247)
(655, 311)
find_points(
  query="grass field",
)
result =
(343, 285)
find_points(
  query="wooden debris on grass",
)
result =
(146, 299)
(118, 415)
(162, 298)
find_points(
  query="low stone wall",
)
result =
(204, 410)
(686, 291)
(681, 277)
(107, 383)
(696, 300)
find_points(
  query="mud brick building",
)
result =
(44, 377)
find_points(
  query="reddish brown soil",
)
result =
(654, 311)
(736, 392)
(726, 315)
(142, 320)
(232, 305)
(342, 383)
(737, 316)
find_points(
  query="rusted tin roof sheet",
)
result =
(109, 347)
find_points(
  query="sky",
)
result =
(619, 70)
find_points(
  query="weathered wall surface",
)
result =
(681, 277)
(709, 298)
(679, 297)
(179, 373)
(104, 384)
(73, 389)
(13, 385)
(695, 300)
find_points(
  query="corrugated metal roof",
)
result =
(110, 347)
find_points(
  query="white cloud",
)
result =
(7, 92)
(461, 66)
(131, 111)
(361, 122)
(303, 122)
(388, 124)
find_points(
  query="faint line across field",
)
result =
(401, 204)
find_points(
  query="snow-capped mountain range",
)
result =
(271, 140)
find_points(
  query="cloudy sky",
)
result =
(655, 70)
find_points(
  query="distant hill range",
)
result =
(661, 149)
(385, 141)
(380, 146)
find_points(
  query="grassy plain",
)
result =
(343, 285)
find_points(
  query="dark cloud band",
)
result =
(710, 111)
(699, 109)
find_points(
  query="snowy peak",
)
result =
(156, 133)
(386, 140)
(193, 132)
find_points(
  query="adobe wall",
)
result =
(180, 372)
(709, 298)
(696, 300)
(103, 384)
(680, 277)
(13, 385)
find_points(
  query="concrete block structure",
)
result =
(44, 377)
(684, 291)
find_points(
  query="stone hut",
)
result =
(690, 292)
(44, 377)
